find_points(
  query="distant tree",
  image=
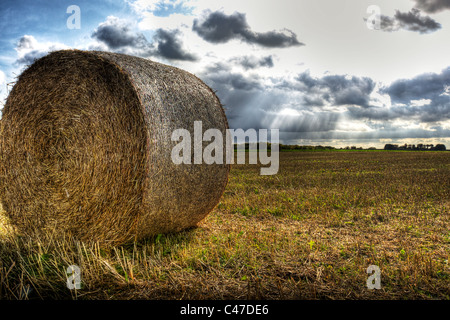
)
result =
(390, 147)
(440, 147)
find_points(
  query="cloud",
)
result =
(29, 49)
(252, 101)
(333, 107)
(220, 77)
(116, 33)
(119, 36)
(335, 90)
(388, 24)
(382, 133)
(29, 57)
(420, 103)
(218, 27)
(431, 87)
(245, 95)
(304, 122)
(27, 42)
(425, 86)
(252, 62)
(2, 78)
(169, 46)
(255, 101)
(433, 6)
(2, 86)
(411, 21)
(422, 98)
(431, 113)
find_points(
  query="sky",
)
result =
(324, 72)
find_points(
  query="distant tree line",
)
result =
(419, 147)
(285, 147)
(297, 147)
(289, 147)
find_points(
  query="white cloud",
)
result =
(2, 79)
(26, 43)
(3, 90)
(446, 91)
(2, 87)
(353, 126)
(378, 99)
(410, 125)
(289, 112)
(28, 49)
(420, 103)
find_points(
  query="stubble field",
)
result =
(308, 232)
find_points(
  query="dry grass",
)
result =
(309, 232)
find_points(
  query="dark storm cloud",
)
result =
(245, 96)
(433, 6)
(220, 77)
(425, 86)
(31, 56)
(335, 89)
(388, 24)
(118, 36)
(169, 46)
(375, 113)
(433, 112)
(414, 21)
(403, 93)
(251, 62)
(411, 21)
(218, 27)
(382, 133)
(234, 81)
(252, 101)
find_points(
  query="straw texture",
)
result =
(86, 146)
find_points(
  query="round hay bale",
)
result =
(86, 148)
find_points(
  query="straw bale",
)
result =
(85, 148)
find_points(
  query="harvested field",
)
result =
(309, 232)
